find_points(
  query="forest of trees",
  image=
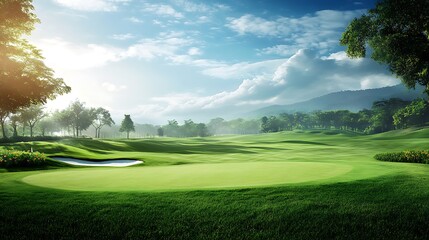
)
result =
(384, 116)
(77, 120)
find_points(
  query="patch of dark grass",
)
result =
(306, 142)
(383, 208)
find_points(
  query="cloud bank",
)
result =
(300, 77)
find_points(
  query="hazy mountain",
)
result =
(344, 100)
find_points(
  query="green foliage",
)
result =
(31, 115)
(160, 132)
(416, 113)
(397, 32)
(127, 125)
(101, 117)
(24, 78)
(405, 156)
(12, 158)
(188, 129)
(76, 116)
(382, 114)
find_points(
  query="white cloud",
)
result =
(194, 51)
(110, 87)
(302, 76)
(320, 30)
(282, 50)
(134, 20)
(166, 45)
(189, 60)
(92, 5)
(162, 10)
(122, 37)
(63, 55)
(191, 6)
(243, 70)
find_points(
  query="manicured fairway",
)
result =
(192, 176)
(314, 184)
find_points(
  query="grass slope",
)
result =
(374, 200)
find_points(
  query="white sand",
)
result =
(108, 163)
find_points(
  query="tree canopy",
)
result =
(24, 78)
(101, 117)
(398, 33)
(127, 125)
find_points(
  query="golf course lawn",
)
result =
(192, 176)
(296, 185)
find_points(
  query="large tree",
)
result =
(101, 118)
(31, 116)
(398, 33)
(80, 116)
(127, 125)
(24, 78)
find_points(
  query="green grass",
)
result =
(211, 188)
(186, 177)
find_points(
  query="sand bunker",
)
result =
(107, 163)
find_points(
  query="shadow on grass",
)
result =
(306, 142)
(102, 147)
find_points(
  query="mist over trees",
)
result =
(78, 120)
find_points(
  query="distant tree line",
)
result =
(77, 120)
(70, 121)
(216, 126)
(384, 116)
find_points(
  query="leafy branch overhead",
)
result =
(24, 78)
(397, 33)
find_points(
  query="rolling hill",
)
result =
(344, 100)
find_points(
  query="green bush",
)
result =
(13, 158)
(405, 156)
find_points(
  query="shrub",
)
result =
(13, 158)
(405, 156)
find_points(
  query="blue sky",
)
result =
(181, 59)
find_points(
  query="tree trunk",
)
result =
(77, 132)
(31, 130)
(3, 130)
(15, 132)
(128, 134)
(96, 133)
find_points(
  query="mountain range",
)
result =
(352, 100)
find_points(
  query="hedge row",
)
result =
(30, 139)
(405, 156)
(13, 158)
